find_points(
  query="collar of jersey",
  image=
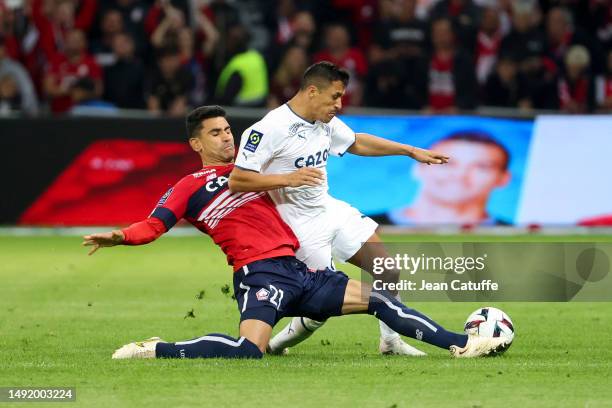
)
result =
(305, 120)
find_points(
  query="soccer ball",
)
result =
(489, 322)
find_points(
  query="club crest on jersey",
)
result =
(296, 130)
(253, 141)
(162, 200)
(262, 294)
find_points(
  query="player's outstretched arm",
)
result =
(247, 180)
(139, 233)
(370, 145)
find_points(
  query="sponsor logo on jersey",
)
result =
(162, 200)
(312, 160)
(216, 184)
(262, 294)
(253, 141)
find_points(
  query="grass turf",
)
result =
(63, 313)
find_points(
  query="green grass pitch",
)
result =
(62, 314)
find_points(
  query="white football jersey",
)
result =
(283, 142)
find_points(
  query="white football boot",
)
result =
(397, 346)
(139, 349)
(481, 346)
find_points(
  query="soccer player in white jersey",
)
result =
(300, 135)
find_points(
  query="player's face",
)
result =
(474, 171)
(216, 141)
(327, 102)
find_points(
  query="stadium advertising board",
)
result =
(502, 172)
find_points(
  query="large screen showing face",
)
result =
(481, 183)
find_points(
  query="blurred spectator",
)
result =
(244, 79)
(86, 102)
(525, 40)
(9, 31)
(452, 81)
(527, 44)
(163, 10)
(133, 13)
(601, 21)
(304, 30)
(55, 19)
(169, 86)
(193, 60)
(338, 50)
(16, 76)
(111, 25)
(402, 36)
(487, 44)
(505, 86)
(562, 34)
(66, 68)
(300, 31)
(360, 14)
(261, 18)
(207, 36)
(224, 16)
(604, 87)
(465, 16)
(167, 31)
(392, 84)
(576, 87)
(287, 79)
(10, 98)
(124, 80)
(285, 12)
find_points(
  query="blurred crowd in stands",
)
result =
(437, 56)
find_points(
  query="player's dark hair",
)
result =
(479, 137)
(198, 115)
(322, 74)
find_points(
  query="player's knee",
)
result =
(248, 349)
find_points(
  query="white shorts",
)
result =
(338, 232)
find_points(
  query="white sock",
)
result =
(387, 333)
(298, 330)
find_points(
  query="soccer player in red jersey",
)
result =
(269, 282)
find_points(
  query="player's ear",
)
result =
(312, 91)
(195, 144)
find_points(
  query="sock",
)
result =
(298, 330)
(209, 346)
(387, 333)
(411, 323)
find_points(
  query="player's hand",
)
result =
(105, 239)
(306, 176)
(429, 156)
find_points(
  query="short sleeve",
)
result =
(342, 137)
(172, 206)
(258, 145)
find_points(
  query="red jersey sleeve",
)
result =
(143, 232)
(173, 204)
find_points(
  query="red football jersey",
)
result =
(246, 225)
